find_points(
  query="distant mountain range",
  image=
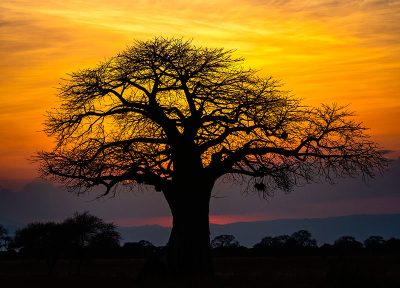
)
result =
(325, 230)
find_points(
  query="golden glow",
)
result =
(324, 51)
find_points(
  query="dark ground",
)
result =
(231, 272)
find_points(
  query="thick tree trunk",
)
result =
(188, 251)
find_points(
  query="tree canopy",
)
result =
(79, 232)
(224, 241)
(165, 106)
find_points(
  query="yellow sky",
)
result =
(346, 52)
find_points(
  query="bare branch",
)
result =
(165, 112)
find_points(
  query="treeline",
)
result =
(302, 243)
(83, 237)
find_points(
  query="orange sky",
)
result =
(324, 51)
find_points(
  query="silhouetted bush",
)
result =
(300, 242)
(88, 236)
(141, 249)
(347, 245)
(227, 245)
(40, 241)
(80, 237)
(272, 245)
(375, 244)
(224, 241)
(302, 239)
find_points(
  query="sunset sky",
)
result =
(347, 52)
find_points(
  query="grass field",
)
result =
(230, 272)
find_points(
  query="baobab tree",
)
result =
(175, 116)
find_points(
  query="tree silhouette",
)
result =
(374, 243)
(303, 239)
(41, 241)
(77, 237)
(277, 245)
(177, 117)
(4, 238)
(299, 243)
(86, 234)
(347, 245)
(224, 241)
(265, 243)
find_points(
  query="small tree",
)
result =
(177, 117)
(224, 241)
(281, 241)
(347, 244)
(4, 238)
(375, 243)
(41, 241)
(86, 233)
(278, 245)
(303, 239)
(265, 243)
